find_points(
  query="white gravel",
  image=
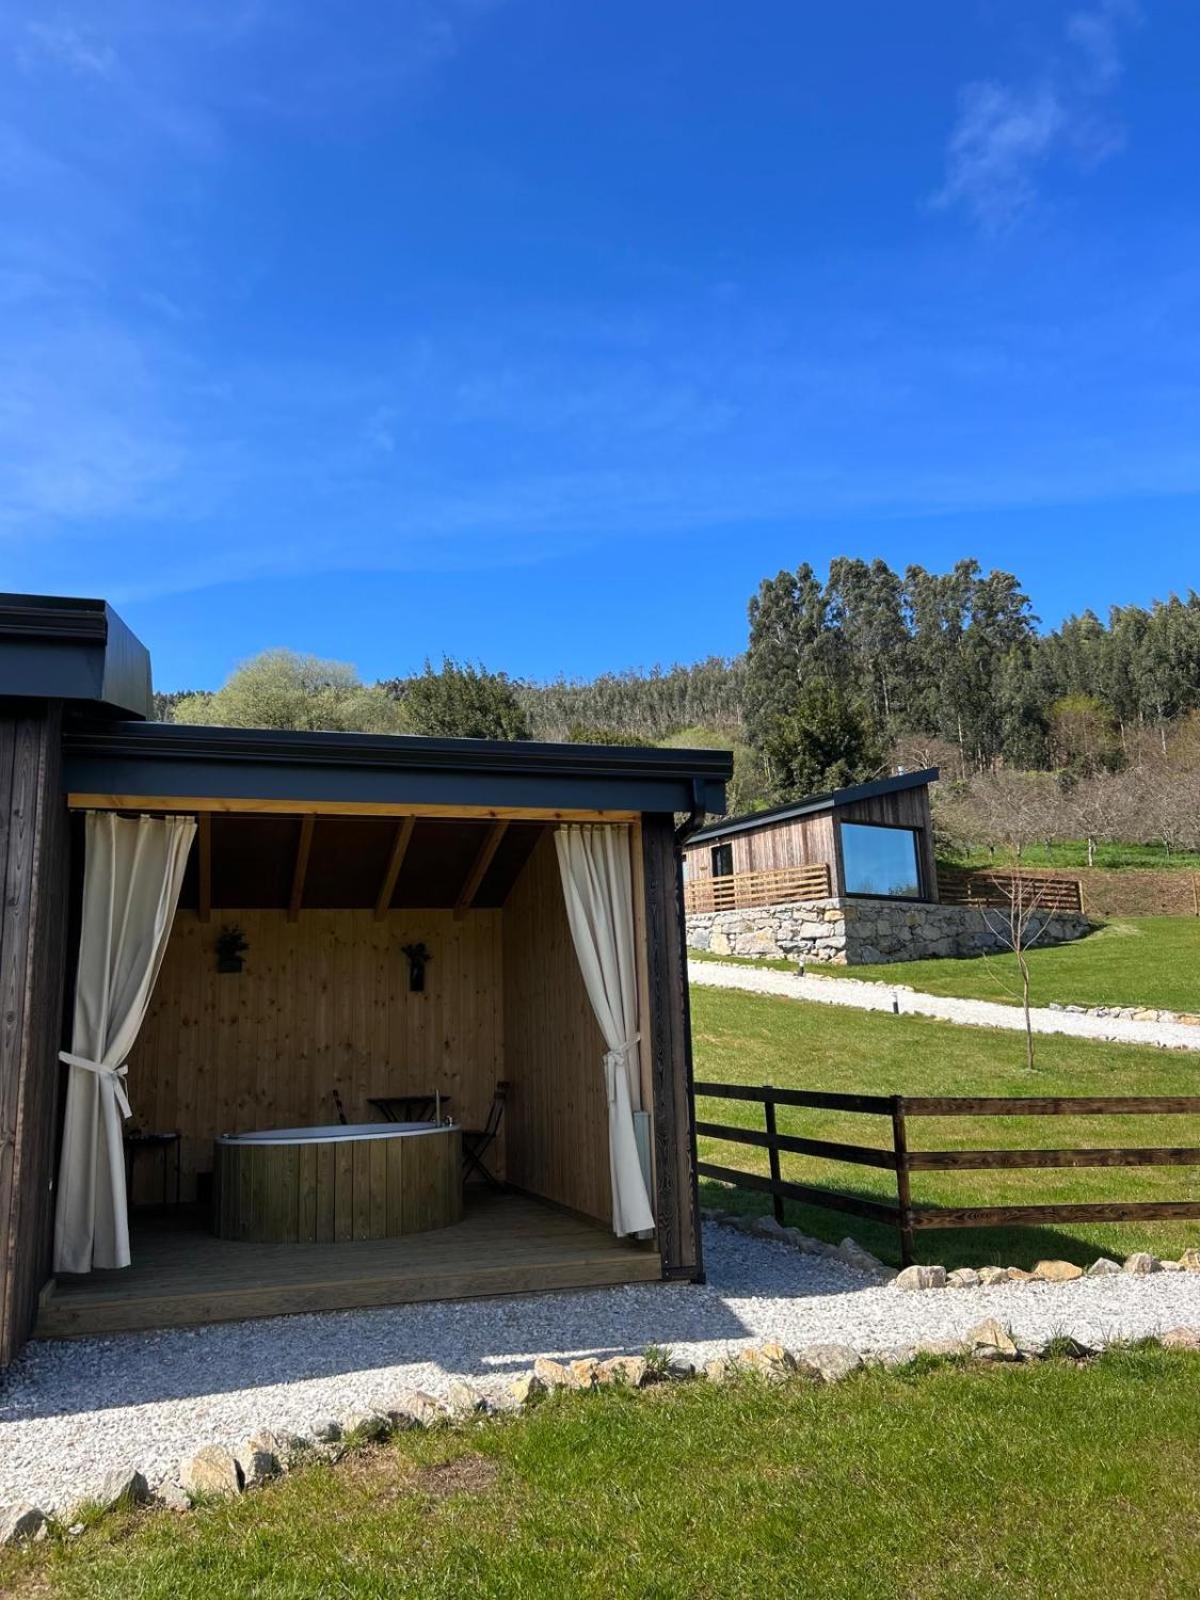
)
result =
(902, 1001)
(70, 1411)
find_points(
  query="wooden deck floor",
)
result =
(182, 1275)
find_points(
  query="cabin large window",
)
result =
(880, 861)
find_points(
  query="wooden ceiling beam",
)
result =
(204, 867)
(387, 888)
(300, 871)
(199, 804)
(478, 872)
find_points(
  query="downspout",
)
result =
(686, 828)
(695, 817)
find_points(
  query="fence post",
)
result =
(903, 1194)
(773, 1154)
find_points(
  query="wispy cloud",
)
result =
(80, 50)
(1006, 135)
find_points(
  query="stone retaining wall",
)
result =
(841, 932)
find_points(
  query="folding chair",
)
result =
(477, 1141)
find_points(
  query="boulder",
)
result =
(679, 1371)
(828, 1362)
(862, 1260)
(583, 1372)
(963, 1278)
(1103, 1267)
(770, 1361)
(1141, 1262)
(920, 1278)
(1181, 1339)
(413, 1408)
(371, 1426)
(211, 1471)
(1019, 1275)
(1172, 1266)
(990, 1276)
(1056, 1271)
(172, 1496)
(940, 1347)
(526, 1389)
(1191, 1260)
(769, 1228)
(631, 1370)
(21, 1522)
(465, 1400)
(122, 1488)
(719, 1370)
(327, 1431)
(258, 1466)
(988, 1341)
(553, 1374)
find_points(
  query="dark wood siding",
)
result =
(33, 914)
(677, 1211)
(907, 808)
(798, 842)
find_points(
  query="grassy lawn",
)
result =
(758, 1039)
(1143, 961)
(952, 1484)
(1131, 961)
(1073, 853)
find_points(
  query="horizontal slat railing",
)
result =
(899, 1159)
(739, 891)
(961, 886)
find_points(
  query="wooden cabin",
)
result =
(286, 884)
(871, 839)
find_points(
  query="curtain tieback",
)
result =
(103, 1070)
(614, 1059)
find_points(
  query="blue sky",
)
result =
(537, 332)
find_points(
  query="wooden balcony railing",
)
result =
(740, 890)
(959, 886)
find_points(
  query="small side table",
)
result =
(137, 1142)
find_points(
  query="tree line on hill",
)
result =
(844, 678)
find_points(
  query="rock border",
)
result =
(215, 1473)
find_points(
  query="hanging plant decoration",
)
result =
(231, 950)
(418, 955)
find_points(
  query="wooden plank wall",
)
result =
(553, 1047)
(33, 919)
(323, 1003)
(802, 842)
(908, 808)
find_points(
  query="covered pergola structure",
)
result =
(542, 883)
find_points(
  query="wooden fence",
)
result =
(737, 891)
(959, 886)
(900, 1159)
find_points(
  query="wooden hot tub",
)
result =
(320, 1185)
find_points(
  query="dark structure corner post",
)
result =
(678, 1197)
(903, 1188)
(34, 855)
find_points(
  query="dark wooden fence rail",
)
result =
(900, 1159)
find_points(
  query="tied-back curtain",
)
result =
(133, 869)
(597, 883)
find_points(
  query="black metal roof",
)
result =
(814, 803)
(58, 647)
(174, 759)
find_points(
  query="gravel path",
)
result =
(862, 996)
(70, 1411)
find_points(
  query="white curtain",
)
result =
(133, 869)
(597, 882)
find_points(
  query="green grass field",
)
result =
(1073, 853)
(958, 1483)
(1130, 961)
(1142, 961)
(757, 1039)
